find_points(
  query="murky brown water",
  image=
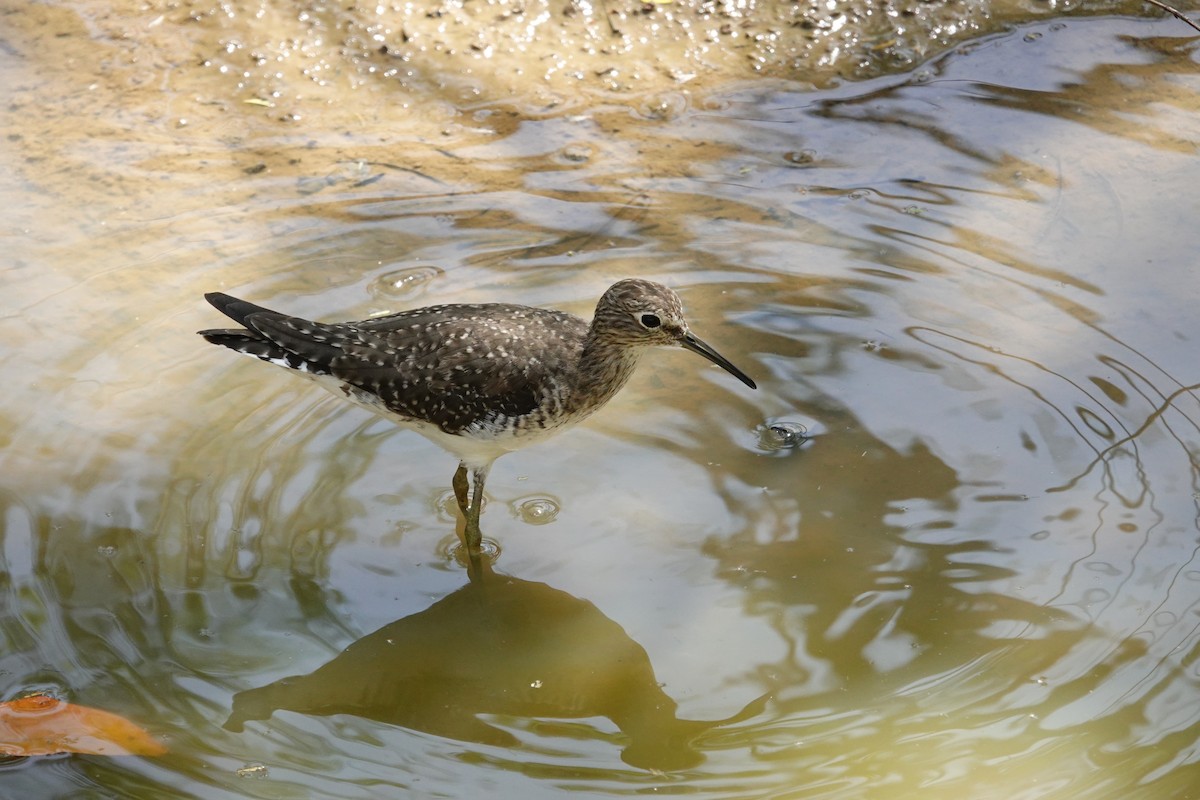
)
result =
(974, 284)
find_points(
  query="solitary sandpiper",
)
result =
(479, 380)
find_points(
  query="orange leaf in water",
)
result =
(40, 725)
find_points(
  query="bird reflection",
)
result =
(498, 645)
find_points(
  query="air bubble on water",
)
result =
(403, 284)
(781, 435)
(538, 510)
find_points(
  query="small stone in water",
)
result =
(576, 152)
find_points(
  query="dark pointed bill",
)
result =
(690, 342)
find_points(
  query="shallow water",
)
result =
(974, 285)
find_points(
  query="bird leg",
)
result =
(473, 535)
(460, 487)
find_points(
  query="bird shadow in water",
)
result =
(499, 645)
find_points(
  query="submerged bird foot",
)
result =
(473, 534)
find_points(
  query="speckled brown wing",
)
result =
(452, 366)
(463, 366)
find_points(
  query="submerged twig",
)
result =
(1173, 12)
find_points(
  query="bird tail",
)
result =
(255, 339)
(237, 310)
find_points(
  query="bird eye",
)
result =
(650, 320)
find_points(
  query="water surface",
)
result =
(972, 283)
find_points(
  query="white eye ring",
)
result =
(648, 320)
